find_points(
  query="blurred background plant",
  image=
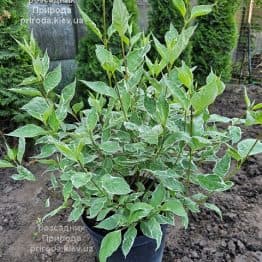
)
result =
(14, 64)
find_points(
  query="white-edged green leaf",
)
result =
(80, 179)
(111, 222)
(21, 149)
(235, 134)
(5, 164)
(29, 131)
(214, 208)
(37, 108)
(200, 10)
(110, 147)
(152, 229)
(109, 245)
(249, 147)
(76, 213)
(128, 240)
(115, 185)
(120, 17)
(175, 206)
(24, 174)
(158, 196)
(53, 79)
(181, 7)
(96, 206)
(101, 88)
(90, 24)
(26, 91)
(223, 165)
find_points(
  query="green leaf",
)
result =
(213, 183)
(178, 93)
(10, 152)
(175, 206)
(53, 79)
(214, 208)
(67, 190)
(235, 134)
(158, 196)
(200, 10)
(53, 212)
(248, 147)
(66, 97)
(110, 147)
(66, 151)
(92, 119)
(111, 222)
(205, 96)
(29, 131)
(120, 17)
(138, 211)
(247, 100)
(185, 75)
(115, 185)
(37, 108)
(90, 24)
(24, 174)
(150, 105)
(80, 179)
(108, 61)
(181, 7)
(5, 164)
(162, 50)
(96, 206)
(151, 228)
(136, 57)
(109, 245)
(128, 240)
(29, 81)
(76, 213)
(101, 88)
(162, 110)
(78, 107)
(150, 134)
(46, 151)
(21, 149)
(27, 91)
(223, 165)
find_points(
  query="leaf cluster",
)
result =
(129, 160)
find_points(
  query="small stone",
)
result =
(8, 189)
(186, 259)
(203, 243)
(1, 228)
(241, 246)
(194, 254)
(231, 247)
(223, 243)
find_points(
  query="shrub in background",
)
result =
(14, 65)
(215, 39)
(88, 65)
(161, 13)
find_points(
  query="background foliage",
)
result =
(14, 65)
(161, 14)
(88, 66)
(215, 39)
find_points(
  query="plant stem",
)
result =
(238, 167)
(104, 23)
(124, 57)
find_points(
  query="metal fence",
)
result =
(248, 57)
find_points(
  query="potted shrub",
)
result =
(135, 158)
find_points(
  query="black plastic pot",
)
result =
(142, 251)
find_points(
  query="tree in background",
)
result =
(14, 65)
(161, 14)
(88, 66)
(215, 39)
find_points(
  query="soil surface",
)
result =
(238, 237)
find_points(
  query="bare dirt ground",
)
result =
(238, 237)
